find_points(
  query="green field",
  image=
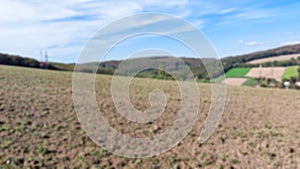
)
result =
(252, 82)
(237, 72)
(290, 72)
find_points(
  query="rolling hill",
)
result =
(275, 58)
(195, 64)
(284, 50)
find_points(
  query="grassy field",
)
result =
(237, 72)
(252, 82)
(39, 127)
(291, 72)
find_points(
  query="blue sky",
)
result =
(63, 27)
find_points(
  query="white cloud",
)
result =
(25, 12)
(253, 43)
(28, 26)
(63, 26)
(199, 23)
(254, 14)
(227, 10)
(247, 14)
(163, 3)
(163, 25)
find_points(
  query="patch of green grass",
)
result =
(222, 157)
(234, 161)
(252, 82)
(41, 150)
(237, 72)
(190, 131)
(239, 134)
(4, 128)
(203, 155)
(207, 163)
(6, 144)
(290, 72)
(154, 161)
(61, 127)
(99, 153)
(172, 159)
(274, 133)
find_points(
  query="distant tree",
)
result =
(161, 72)
(101, 71)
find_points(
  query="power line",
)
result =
(44, 59)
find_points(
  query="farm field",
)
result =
(267, 72)
(291, 72)
(39, 128)
(237, 72)
(276, 58)
(246, 76)
(252, 82)
(235, 81)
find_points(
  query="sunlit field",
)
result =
(39, 127)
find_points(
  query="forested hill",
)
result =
(235, 61)
(195, 64)
(15, 60)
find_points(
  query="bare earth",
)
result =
(235, 81)
(274, 73)
(277, 58)
(39, 128)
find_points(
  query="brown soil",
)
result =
(39, 127)
(267, 72)
(235, 81)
